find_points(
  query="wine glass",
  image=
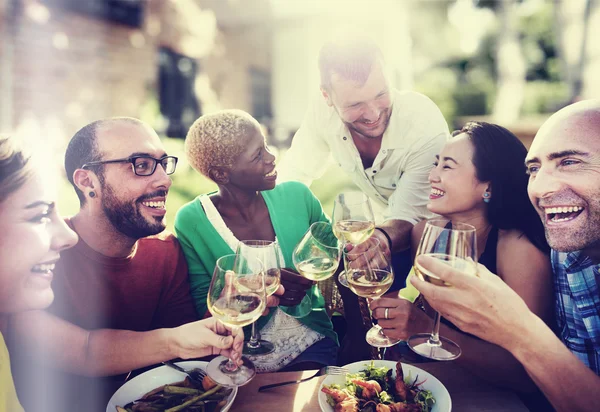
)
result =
(353, 221)
(236, 297)
(268, 253)
(316, 257)
(455, 245)
(369, 274)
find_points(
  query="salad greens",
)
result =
(363, 400)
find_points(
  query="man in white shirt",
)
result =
(386, 140)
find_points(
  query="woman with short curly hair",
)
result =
(229, 148)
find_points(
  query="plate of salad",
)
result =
(383, 386)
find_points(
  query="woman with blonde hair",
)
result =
(229, 148)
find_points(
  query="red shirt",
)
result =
(146, 290)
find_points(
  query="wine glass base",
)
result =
(218, 372)
(376, 337)
(342, 278)
(263, 347)
(445, 351)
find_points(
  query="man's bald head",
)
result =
(84, 148)
(564, 184)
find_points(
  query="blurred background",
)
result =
(65, 63)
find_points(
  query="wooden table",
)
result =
(468, 392)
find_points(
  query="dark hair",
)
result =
(83, 148)
(352, 57)
(15, 166)
(499, 158)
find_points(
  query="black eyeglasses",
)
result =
(142, 165)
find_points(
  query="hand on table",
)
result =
(403, 320)
(208, 337)
(295, 287)
(483, 305)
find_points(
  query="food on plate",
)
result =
(375, 390)
(186, 396)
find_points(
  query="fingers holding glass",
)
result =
(369, 274)
(353, 221)
(455, 245)
(267, 252)
(236, 297)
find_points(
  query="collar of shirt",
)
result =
(577, 261)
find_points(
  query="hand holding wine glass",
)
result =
(353, 220)
(267, 252)
(237, 297)
(369, 274)
(316, 257)
(455, 245)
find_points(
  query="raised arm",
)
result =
(487, 307)
(105, 352)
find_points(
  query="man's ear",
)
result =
(219, 175)
(326, 96)
(86, 181)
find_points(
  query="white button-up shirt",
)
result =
(397, 182)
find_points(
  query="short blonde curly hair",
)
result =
(217, 139)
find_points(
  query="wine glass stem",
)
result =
(230, 366)
(254, 337)
(434, 339)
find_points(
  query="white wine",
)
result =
(239, 310)
(252, 283)
(317, 269)
(353, 231)
(272, 280)
(462, 265)
(369, 284)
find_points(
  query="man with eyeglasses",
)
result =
(122, 298)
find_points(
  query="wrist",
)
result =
(519, 337)
(170, 343)
(386, 236)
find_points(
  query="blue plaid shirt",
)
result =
(576, 281)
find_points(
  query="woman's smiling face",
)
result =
(32, 235)
(455, 188)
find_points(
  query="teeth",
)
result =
(272, 173)
(43, 268)
(569, 209)
(157, 205)
(437, 192)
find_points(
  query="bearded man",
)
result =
(122, 298)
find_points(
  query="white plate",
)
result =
(439, 391)
(144, 383)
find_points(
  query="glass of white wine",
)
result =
(268, 253)
(353, 221)
(455, 245)
(369, 274)
(236, 297)
(316, 257)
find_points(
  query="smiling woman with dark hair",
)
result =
(479, 178)
(32, 235)
(229, 148)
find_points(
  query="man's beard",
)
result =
(385, 120)
(126, 216)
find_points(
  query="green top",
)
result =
(292, 208)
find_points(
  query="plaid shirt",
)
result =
(576, 281)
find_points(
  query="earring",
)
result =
(92, 194)
(486, 197)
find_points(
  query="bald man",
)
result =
(564, 187)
